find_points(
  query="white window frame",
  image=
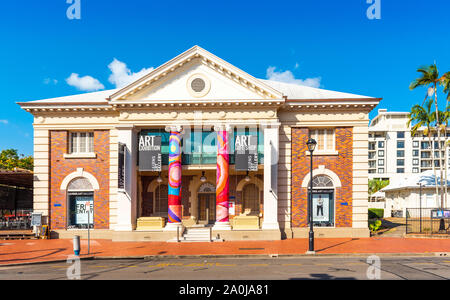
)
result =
(88, 137)
(315, 135)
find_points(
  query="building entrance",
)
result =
(206, 208)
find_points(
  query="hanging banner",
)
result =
(121, 171)
(150, 153)
(246, 153)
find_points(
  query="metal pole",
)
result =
(311, 229)
(420, 204)
(89, 228)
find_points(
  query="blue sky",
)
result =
(322, 42)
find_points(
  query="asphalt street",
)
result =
(330, 267)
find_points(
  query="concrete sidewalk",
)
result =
(34, 251)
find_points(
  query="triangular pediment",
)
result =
(196, 75)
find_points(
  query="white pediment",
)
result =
(196, 75)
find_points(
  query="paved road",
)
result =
(434, 268)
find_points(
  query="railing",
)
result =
(420, 220)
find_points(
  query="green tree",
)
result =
(430, 79)
(377, 184)
(423, 116)
(10, 159)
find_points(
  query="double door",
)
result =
(206, 208)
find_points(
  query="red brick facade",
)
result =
(341, 165)
(60, 167)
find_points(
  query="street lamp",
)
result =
(311, 143)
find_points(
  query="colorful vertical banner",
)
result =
(222, 183)
(175, 177)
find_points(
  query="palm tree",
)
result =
(446, 83)
(430, 78)
(423, 116)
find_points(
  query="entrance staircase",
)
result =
(198, 233)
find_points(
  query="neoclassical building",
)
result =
(199, 143)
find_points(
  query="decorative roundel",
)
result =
(198, 85)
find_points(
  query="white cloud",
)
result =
(288, 77)
(5, 122)
(50, 81)
(86, 83)
(122, 76)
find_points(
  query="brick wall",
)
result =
(341, 165)
(60, 167)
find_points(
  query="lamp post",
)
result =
(311, 143)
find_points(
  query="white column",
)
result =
(127, 197)
(271, 152)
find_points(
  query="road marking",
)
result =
(224, 265)
(99, 266)
(357, 264)
(291, 265)
(323, 264)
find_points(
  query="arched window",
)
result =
(250, 196)
(80, 197)
(322, 182)
(161, 196)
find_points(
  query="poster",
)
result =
(150, 153)
(84, 210)
(321, 207)
(246, 153)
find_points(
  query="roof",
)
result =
(20, 178)
(426, 179)
(302, 92)
(267, 88)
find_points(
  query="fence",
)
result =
(425, 221)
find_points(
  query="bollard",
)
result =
(76, 245)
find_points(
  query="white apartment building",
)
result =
(393, 153)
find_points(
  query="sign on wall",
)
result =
(36, 219)
(150, 153)
(84, 210)
(246, 153)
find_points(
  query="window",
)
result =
(325, 139)
(380, 170)
(372, 155)
(380, 144)
(371, 171)
(415, 162)
(250, 195)
(81, 203)
(400, 134)
(400, 170)
(416, 144)
(415, 170)
(372, 146)
(415, 153)
(380, 152)
(425, 145)
(400, 144)
(381, 162)
(372, 164)
(400, 153)
(81, 142)
(323, 201)
(400, 162)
